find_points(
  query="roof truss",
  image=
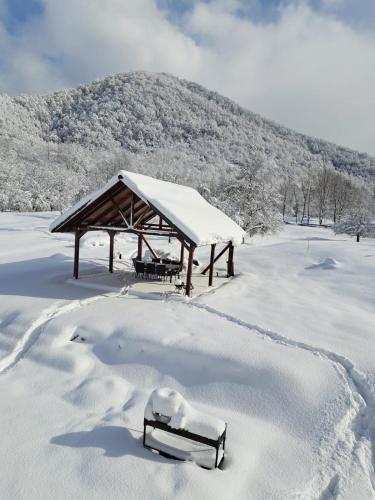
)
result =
(120, 209)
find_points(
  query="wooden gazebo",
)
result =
(134, 203)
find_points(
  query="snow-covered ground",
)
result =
(284, 353)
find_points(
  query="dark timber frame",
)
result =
(111, 247)
(119, 209)
(215, 443)
(212, 259)
(230, 265)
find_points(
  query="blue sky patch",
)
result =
(18, 12)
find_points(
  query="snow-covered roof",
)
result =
(181, 206)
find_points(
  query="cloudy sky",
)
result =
(307, 64)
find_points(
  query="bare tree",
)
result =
(322, 187)
(359, 221)
(341, 195)
(307, 181)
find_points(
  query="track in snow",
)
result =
(36, 328)
(356, 424)
(355, 444)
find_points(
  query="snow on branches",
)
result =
(57, 148)
(360, 219)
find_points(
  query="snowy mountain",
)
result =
(144, 111)
(57, 148)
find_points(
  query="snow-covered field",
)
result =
(284, 353)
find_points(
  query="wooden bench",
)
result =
(214, 443)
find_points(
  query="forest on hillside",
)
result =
(57, 148)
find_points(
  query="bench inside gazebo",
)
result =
(147, 207)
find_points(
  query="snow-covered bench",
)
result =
(187, 431)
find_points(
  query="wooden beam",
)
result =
(112, 214)
(189, 270)
(138, 206)
(119, 211)
(165, 230)
(230, 266)
(216, 258)
(143, 211)
(149, 215)
(156, 226)
(182, 255)
(78, 235)
(82, 213)
(122, 229)
(110, 210)
(212, 261)
(150, 247)
(111, 247)
(131, 209)
(168, 221)
(126, 210)
(139, 254)
(124, 204)
(186, 246)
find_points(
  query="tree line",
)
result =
(260, 192)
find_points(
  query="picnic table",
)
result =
(160, 268)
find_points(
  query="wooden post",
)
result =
(144, 434)
(216, 258)
(78, 235)
(212, 259)
(189, 270)
(230, 266)
(131, 209)
(111, 246)
(182, 251)
(139, 256)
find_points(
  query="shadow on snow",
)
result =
(115, 442)
(44, 278)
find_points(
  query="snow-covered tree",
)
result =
(360, 219)
(342, 195)
(54, 149)
(322, 190)
(253, 197)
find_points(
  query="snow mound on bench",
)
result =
(169, 403)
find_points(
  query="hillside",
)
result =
(144, 111)
(57, 148)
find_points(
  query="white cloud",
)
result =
(332, 3)
(306, 70)
(79, 40)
